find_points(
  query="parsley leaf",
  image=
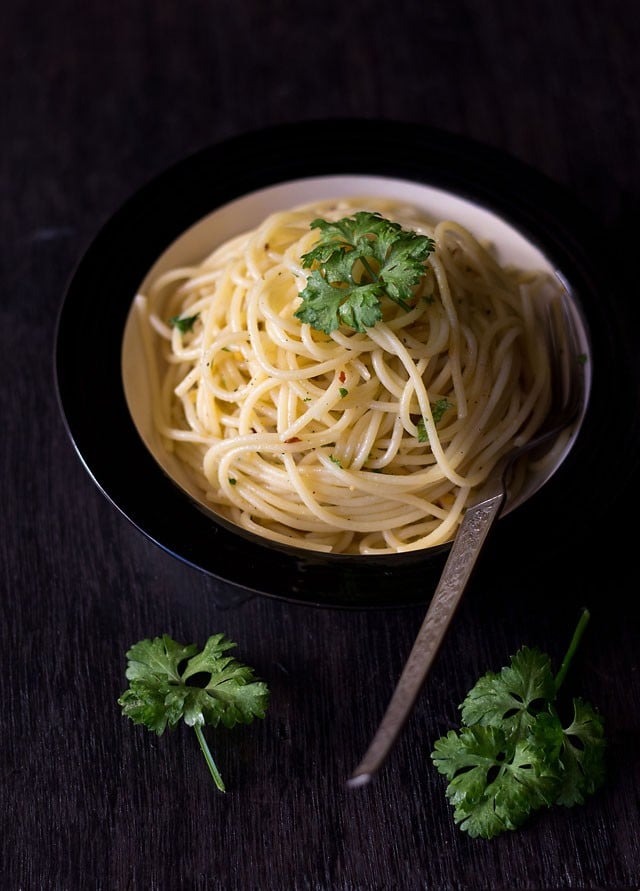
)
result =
(359, 260)
(578, 747)
(438, 409)
(512, 755)
(184, 324)
(509, 699)
(496, 780)
(169, 682)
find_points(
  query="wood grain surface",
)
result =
(97, 98)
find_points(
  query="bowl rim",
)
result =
(95, 307)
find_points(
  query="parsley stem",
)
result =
(367, 267)
(573, 646)
(215, 773)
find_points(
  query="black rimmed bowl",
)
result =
(230, 187)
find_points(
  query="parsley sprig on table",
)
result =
(513, 756)
(169, 682)
(359, 260)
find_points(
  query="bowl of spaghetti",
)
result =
(366, 440)
(317, 369)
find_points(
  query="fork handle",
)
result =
(464, 552)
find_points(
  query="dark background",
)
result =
(97, 99)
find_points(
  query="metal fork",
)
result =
(568, 402)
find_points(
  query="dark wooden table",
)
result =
(97, 98)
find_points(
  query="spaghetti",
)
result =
(347, 442)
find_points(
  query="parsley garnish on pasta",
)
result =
(357, 261)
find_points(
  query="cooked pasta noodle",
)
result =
(351, 442)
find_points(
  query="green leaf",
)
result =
(579, 749)
(164, 689)
(183, 323)
(439, 408)
(157, 659)
(146, 706)
(403, 266)
(495, 782)
(359, 260)
(514, 756)
(511, 698)
(421, 426)
(324, 310)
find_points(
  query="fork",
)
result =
(568, 399)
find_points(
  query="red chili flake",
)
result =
(342, 377)
(293, 439)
